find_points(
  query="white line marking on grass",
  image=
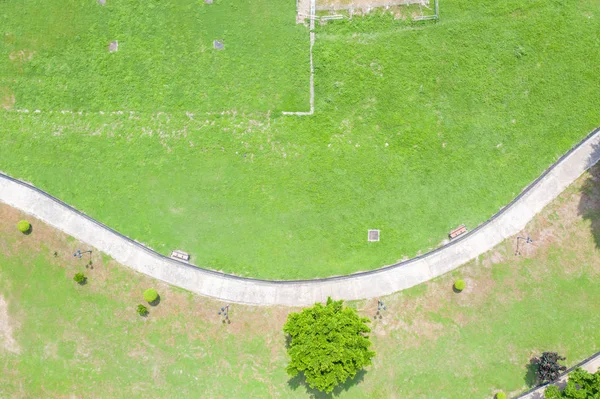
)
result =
(312, 71)
(311, 17)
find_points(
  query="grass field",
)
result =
(417, 129)
(54, 55)
(58, 339)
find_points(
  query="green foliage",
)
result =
(142, 310)
(419, 366)
(79, 278)
(459, 285)
(548, 366)
(150, 295)
(329, 344)
(581, 385)
(24, 226)
(500, 395)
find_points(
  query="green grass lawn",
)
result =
(165, 59)
(59, 339)
(418, 129)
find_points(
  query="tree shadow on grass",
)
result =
(531, 378)
(456, 291)
(589, 203)
(300, 381)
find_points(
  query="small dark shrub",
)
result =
(548, 368)
(142, 310)
(459, 285)
(150, 295)
(79, 278)
(24, 226)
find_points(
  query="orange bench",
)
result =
(458, 231)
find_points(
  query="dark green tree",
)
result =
(142, 310)
(79, 278)
(548, 368)
(581, 385)
(328, 344)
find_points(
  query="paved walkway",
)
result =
(384, 281)
(592, 365)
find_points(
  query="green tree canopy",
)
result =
(581, 385)
(329, 344)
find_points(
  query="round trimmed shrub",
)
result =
(142, 310)
(150, 295)
(459, 285)
(79, 278)
(24, 226)
(500, 395)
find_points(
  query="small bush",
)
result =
(142, 310)
(459, 285)
(79, 278)
(24, 226)
(150, 295)
(520, 51)
(500, 395)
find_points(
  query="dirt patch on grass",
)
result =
(7, 98)
(7, 327)
(43, 239)
(302, 11)
(363, 4)
(21, 55)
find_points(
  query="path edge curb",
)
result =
(360, 285)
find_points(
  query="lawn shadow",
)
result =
(83, 282)
(531, 378)
(155, 302)
(456, 290)
(300, 380)
(589, 203)
(29, 231)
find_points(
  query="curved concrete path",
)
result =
(384, 281)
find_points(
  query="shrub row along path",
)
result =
(592, 365)
(508, 222)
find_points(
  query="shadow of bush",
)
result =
(155, 302)
(589, 204)
(300, 381)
